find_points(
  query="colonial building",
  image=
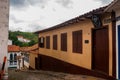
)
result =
(82, 45)
(4, 19)
(14, 57)
(114, 7)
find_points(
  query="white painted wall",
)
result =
(23, 39)
(26, 40)
(9, 42)
(26, 64)
(4, 21)
(117, 23)
(117, 47)
(18, 54)
(26, 59)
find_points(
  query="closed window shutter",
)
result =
(55, 42)
(43, 42)
(39, 42)
(64, 41)
(48, 42)
(74, 42)
(77, 41)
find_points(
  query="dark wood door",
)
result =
(101, 50)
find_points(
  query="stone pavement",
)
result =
(46, 75)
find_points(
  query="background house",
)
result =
(14, 57)
(4, 18)
(22, 39)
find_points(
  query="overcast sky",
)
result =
(34, 15)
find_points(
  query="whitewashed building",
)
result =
(14, 57)
(4, 21)
(9, 42)
(22, 39)
(25, 53)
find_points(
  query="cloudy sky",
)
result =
(34, 15)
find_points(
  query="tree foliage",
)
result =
(27, 35)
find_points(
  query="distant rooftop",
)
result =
(13, 48)
(27, 49)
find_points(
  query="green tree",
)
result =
(28, 35)
(32, 42)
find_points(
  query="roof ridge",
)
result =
(74, 20)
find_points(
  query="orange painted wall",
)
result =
(32, 60)
(85, 58)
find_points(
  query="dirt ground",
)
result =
(46, 75)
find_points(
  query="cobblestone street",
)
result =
(46, 75)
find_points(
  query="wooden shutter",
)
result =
(55, 42)
(64, 41)
(48, 42)
(77, 41)
(39, 41)
(74, 34)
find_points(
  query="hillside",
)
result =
(27, 35)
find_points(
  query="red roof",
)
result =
(30, 48)
(13, 48)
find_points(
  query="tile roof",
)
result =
(74, 20)
(24, 49)
(13, 48)
(27, 49)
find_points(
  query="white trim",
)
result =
(117, 24)
(117, 51)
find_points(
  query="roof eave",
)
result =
(74, 20)
(109, 8)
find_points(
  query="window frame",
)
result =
(41, 42)
(47, 42)
(55, 42)
(63, 41)
(77, 41)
